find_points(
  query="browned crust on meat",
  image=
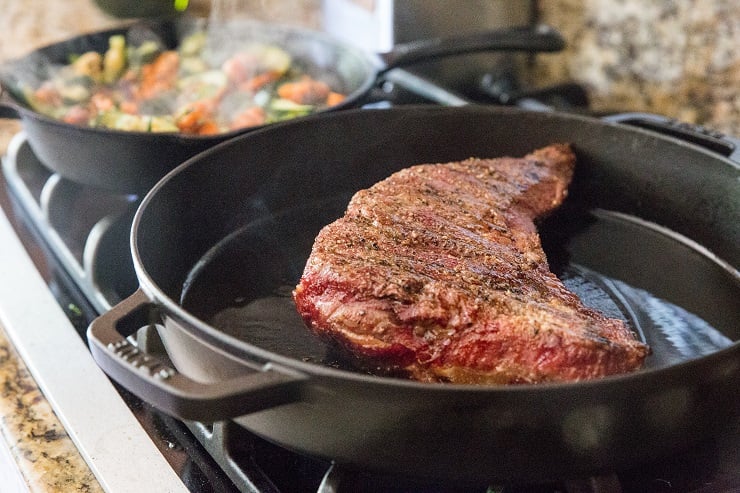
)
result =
(438, 272)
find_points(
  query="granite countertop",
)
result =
(679, 59)
(45, 455)
(675, 58)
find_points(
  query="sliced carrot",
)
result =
(130, 107)
(334, 98)
(102, 101)
(160, 75)
(192, 118)
(239, 67)
(77, 115)
(209, 127)
(48, 94)
(259, 81)
(304, 91)
(251, 117)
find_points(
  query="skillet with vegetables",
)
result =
(153, 89)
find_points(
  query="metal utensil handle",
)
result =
(528, 38)
(157, 383)
(695, 134)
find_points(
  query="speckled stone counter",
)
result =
(678, 58)
(46, 458)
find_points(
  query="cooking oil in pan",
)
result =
(243, 286)
(673, 333)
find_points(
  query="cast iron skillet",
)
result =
(132, 162)
(649, 232)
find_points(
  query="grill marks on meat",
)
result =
(437, 273)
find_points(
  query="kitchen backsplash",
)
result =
(679, 58)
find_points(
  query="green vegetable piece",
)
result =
(285, 109)
(114, 60)
(29, 97)
(193, 65)
(204, 85)
(144, 53)
(121, 121)
(89, 64)
(118, 120)
(74, 93)
(193, 44)
(273, 58)
(162, 124)
(280, 104)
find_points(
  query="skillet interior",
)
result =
(242, 286)
(255, 240)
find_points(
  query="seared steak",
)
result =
(437, 273)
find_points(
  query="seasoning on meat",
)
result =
(437, 273)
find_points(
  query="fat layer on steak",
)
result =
(437, 273)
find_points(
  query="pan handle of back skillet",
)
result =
(7, 109)
(709, 139)
(157, 382)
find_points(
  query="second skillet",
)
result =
(131, 162)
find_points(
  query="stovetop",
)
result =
(82, 235)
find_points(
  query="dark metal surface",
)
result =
(440, 431)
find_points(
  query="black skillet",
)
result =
(650, 232)
(132, 162)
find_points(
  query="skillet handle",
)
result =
(539, 38)
(709, 139)
(7, 110)
(156, 382)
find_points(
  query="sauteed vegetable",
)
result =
(152, 89)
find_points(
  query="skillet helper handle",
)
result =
(156, 382)
(540, 38)
(709, 139)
